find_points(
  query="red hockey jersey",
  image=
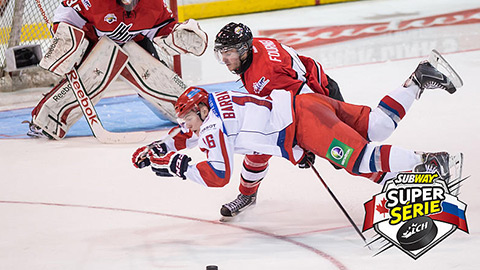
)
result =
(97, 18)
(276, 66)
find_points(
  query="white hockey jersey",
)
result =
(243, 124)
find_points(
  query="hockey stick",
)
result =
(91, 115)
(338, 203)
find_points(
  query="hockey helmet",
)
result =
(235, 36)
(189, 101)
(128, 5)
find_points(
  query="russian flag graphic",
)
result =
(453, 212)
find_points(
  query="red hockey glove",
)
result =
(170, 164)
(140, 158)
(308, 158)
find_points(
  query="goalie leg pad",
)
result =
(153, 81)
(67, 49)
(59, 109)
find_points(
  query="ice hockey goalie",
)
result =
(106, 39)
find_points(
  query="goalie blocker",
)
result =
(59, 109)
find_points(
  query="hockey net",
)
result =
(26, 23)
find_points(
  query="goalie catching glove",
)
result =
(170, 164)
(186, 37)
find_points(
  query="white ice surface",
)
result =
(78, 204)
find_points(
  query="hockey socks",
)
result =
(392, 108)
(388, 158)
(255, 168)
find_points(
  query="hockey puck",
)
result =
(417, 233)
(212, 267)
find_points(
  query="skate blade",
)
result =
(456, 169)
(227, 219)
(239, 216)
(436, 59)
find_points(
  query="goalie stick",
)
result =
(91, 115)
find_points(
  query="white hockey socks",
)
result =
(388, 158)
(392, 108)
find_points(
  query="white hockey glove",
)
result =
(171, 164)
(67, 49)
(140, 157)
(186, 37)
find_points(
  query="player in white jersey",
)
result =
(280, 125)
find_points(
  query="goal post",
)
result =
(25, 32)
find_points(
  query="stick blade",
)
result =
(108, 137)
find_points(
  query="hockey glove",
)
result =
(186, 37)
(308, 158)
(140, 158)
(171, 164)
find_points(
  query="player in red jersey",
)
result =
(122, 22)
(263, 65)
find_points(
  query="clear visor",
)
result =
(226, 54)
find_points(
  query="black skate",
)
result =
(235, 207)
(427, 76)
(435, 162)
(449, 167)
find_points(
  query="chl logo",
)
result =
(258, 86)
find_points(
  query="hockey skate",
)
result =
(435, 162)
(235, 207)
(449, 167)
(427, 76)
(35, 131)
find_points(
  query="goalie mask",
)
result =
(189, 101)
(233, 46)
(128, 5)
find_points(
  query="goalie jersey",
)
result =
(150, 18)
(242, 124)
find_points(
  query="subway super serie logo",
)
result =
(416, 211)
(414, 200)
